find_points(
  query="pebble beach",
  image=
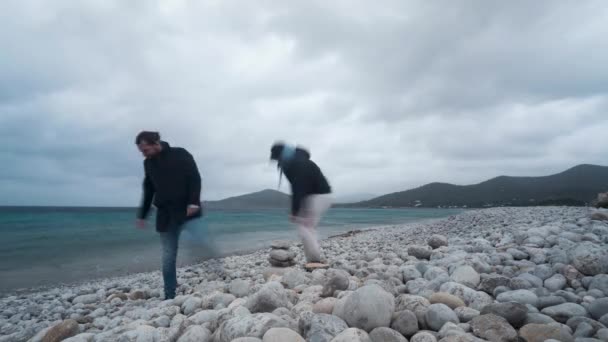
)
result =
(497, 274)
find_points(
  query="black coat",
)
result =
(173, 181)
(305, 177)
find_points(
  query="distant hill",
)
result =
(576, 186)
(265, 199)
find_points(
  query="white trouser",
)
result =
(313, 208)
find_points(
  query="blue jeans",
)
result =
(170, 241)
(198, 246)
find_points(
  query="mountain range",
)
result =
(576, 186)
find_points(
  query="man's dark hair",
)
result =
(147, 137)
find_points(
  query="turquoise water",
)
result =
(48, 246)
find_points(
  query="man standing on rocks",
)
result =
(173, 181)
(310, 194)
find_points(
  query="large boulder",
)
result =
(367, 308)
(590, 259)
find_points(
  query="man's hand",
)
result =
(192, 210)
(140, 224)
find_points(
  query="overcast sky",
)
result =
(387, 95)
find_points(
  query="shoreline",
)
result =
(25, 291)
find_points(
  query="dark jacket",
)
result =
(173, 181)
(305, 177)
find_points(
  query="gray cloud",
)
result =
(387, 96)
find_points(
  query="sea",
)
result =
(48, 246)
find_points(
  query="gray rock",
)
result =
(282, 255)
(601, 334)
(590, 259)
(514, 313)
(86, 299)
(141, 333)
(493, 328)
(466, 314)
(542, 332)
(405, 322)
(517, 254)
(584, 330)
(545, 302)
(520, 284)
(532, 279)
(420, 252)
(538, 318)
(293, 278)
(518, 296)
(423, 336)
(352, 335)
(191, 305)
(595, 293)
(574, 322)
(270, 297)
(247, 339)
(451, 329)
(598, 308)
(490, 283)
(325, 305)
(439, 314)
(437, 241)
(367, 308)
(205, 316)
(410, 272)
(544, 272)
(337, 280)
(195, 333)
(383, 334)
(467, 276)
(282, 335)
(599, 282)
(561, 313)
(474, 299)
(240, 288)
(322, 327)
(255, 325)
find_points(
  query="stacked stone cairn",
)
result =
(281, 255)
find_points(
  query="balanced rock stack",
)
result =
(281, 255)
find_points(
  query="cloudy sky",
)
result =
(387, 95)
